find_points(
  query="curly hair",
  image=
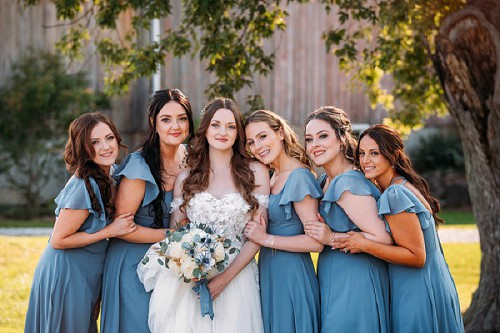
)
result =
(293, 148)
(151, 147)
(341, 125)
(199, 160)
(79, 153)
(392, 148)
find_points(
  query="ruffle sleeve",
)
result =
(134, 166)
(299, 184)
(397, 198)
(75, 196)
(351, 181)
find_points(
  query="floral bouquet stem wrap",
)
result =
(194, 251)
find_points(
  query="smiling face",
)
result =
(373, 163)
(172, 124)
(263, 142)
(221, 132)
(322, 144)
(105, 146)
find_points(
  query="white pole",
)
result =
(155, 37)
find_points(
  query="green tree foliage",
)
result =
(397, 38)
(37, 104)
(227, 34)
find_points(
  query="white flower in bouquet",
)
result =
(219, 252)
(206, 260)
(187, 268)
(187, 238)
(175, 250)
(174, 267)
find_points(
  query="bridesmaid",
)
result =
(423, 294)
(146, 179)
(288, 284)
(354, 288)
(67, 282)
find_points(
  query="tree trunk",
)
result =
(468, 62)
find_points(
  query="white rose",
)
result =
(219, 253)
(187, 238)
(174, 267)
(187, 268)
(175, 250)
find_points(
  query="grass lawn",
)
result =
(35, 223)
(19, 256)
(456, 217)
(452, 218)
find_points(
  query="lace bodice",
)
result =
(227, 215)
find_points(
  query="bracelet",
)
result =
(272, 241)
(333, 238)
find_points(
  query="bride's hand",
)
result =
(216, 285)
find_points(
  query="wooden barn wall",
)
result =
(304, 77)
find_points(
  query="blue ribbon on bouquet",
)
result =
(207, 306)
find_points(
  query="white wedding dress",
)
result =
(174, 306)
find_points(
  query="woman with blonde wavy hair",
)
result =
(288, 285)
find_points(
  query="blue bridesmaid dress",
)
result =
(67, 283)
(354, 288)
(125, 303)
(422, 299)
(288, 284)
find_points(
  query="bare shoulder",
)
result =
(182, 175)
(258, 168)
(261, 173)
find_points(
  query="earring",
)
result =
(392, 166)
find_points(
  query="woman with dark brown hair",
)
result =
(146, 180)
(423, 294)
(223, 189)
(68, 277)
(354, 289)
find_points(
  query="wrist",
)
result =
(271, 240)
(332, 239)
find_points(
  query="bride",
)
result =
(224, 189)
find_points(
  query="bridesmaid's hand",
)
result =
(122, 225)
(319, 231)
(216, 285)
(355, 243)
(256, 231)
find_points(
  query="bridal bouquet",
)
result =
(195, 251)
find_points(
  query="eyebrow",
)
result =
(319, 132)
(169, 116)
(218, 121)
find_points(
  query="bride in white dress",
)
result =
(224, 189)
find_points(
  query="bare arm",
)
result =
(362, 211)
(67, 236)
(128, 200)
(249, 249)
(307, 210)
(409, 248)
(177, 216)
